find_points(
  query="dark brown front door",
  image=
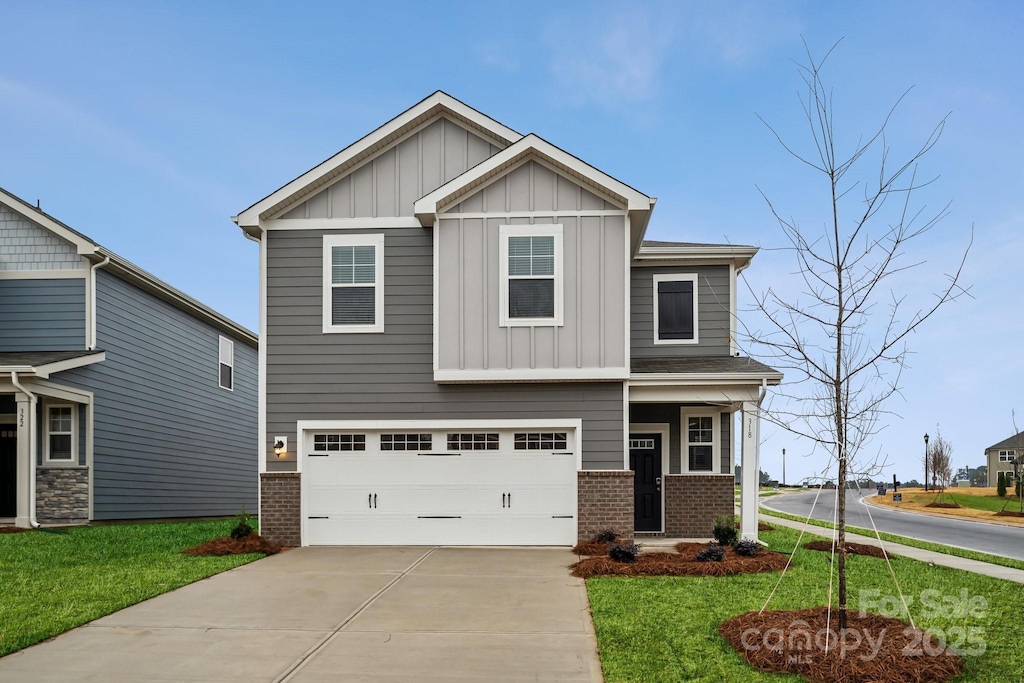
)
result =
(8, 471)
(645, 461)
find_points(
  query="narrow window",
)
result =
(531, 275)
(227, 364)
(353, 293)
(60, 433)
(700, 443)
(675, 309)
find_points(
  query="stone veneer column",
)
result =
(62, 495)
(280, 519)
(605, 502)
(692, 501)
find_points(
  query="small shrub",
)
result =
(606, 536)
(242, 527)
(624, 553)
(1001, 485)
(725, 532)
(747, 548)
(713, 553)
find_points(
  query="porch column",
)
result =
(25, 421)
(749, 484)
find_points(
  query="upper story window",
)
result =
(531, 275)
(226, 377)
(60, 444)
(675, 309)
(1007, 456)
(353, 283)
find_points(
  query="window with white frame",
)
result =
(675, 308)
(226, 376)
(700, 442)
(531, 275)
(59, 445)
(1007, 456)
(353, 283)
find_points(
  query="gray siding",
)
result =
(532, 187)
(25, 245)
(645, 413)
(168, 441)
(390, 183)
(42, 315)
(713, 312)
(316, 376)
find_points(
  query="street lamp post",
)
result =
(783, 466)
(925, 462)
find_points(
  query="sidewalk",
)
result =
(929, 556)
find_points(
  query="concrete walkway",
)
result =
(343, 614)
(930, 556)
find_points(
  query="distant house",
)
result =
(120, 396)
(1000, 456)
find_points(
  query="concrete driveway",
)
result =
(343, 614)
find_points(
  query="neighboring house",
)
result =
(1000, 457)
(120, 397)
(466, 340)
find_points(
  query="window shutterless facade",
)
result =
(226, 373)
(701, 441)
(1007, 456)
(531, 275)
(675, 309)
(353, 287)
(60, 444)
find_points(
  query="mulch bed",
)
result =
(1001, 513)
(680, 563)
(873, 649)
(761, 526)
(12, 529)
(591, 548)
(942, 505)
(253, 543)
(851, 548)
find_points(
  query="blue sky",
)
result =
(147, 125)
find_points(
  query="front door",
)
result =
(645, 461)
(8, 470)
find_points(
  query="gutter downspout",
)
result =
(33, 399)
(91, 341)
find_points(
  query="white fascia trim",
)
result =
(44, 371)
(427, 207)
(83, 245)
(710, 395)
(375, 240)
(250, 217)
(43, 274)
(719, 251)
(527, 375)
(678, 277)
(535, 230)
(703, 379)
(340, 223)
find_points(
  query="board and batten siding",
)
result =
(712, 312)
(389, 375)
(593, 278)
(388, 185)
(168, 441)
(42, 315)
(670, 413)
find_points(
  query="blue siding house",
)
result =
(120, 396)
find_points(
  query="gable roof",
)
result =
(127, 270)
(656, 252)
(1015, 441)
(369, 145)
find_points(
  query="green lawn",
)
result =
(989, 503)
(664, 629)
(52, 582)
(912, 542)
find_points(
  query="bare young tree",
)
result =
(842, 339)
(941, 457)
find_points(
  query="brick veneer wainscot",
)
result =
(605, 502)
(62, 495)
(692, 501)
(280, 519)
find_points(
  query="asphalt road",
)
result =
(995, 539)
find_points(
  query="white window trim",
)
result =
(535, 230)
(376, 241)
(221, 341)
(716, 439)
(73, 462)
(1007, 455)
(676, 277)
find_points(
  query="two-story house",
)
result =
(466, 340)
(121, 397)
(1001, 457)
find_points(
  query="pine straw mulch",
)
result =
(12, 529)
(941, 505)
(225, 545)
(680, 563)
(1001, 513)
(590, 548)
(761, 526)
(873, 649)
(851, 548)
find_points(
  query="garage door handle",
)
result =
(510, 500)
(375, 501)
(503, 500)
(369, 500)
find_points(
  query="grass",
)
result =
(665, 629)
(50, 582)
(963, 498)
(912, 542)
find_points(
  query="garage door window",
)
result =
(323, 443)
(405, 442)
(541, 441)
(477, 441)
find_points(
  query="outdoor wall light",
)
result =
(280, 446)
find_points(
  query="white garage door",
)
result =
(445, 486)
